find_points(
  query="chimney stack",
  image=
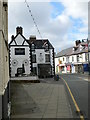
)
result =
(77, 42)
(19, 30)
(32, 38)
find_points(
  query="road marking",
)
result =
(77, 108)
(83, 78)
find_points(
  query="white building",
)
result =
(19, 51)
(33, 56)
(73, 60)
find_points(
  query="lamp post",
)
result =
(88, 55)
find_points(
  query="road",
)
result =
(78, 85)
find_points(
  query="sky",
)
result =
(59, 21)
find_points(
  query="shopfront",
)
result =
(79, 68)
(68, 68)
(85, 67)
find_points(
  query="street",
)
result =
(78, 85)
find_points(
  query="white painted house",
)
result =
(31, 56)
(73, 60)
(19, 51)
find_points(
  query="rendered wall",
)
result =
(20, 60)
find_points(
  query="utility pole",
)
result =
(88, 55)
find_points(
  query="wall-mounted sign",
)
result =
(19, 51)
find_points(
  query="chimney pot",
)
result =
(77, 42)
(32, 38)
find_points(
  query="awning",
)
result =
(68, 64)
(77, 63)
(61, 65)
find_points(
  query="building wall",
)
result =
(20, 60)
(70, 58)
(52, 61)
(75, 58)
(40, 58)
(76, 66)
(56, 65)
(4, 71)
(4, 63)
(0, 107)
(83, 57)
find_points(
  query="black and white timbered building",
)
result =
(30, 56)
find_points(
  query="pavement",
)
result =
(24, 78)
(46, 99)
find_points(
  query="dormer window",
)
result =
(81, 47)
(46, 47)
(73, 49)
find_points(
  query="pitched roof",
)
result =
(64, 52)
(69, 51)
(14, 37)
(83, 50)
(39, 43)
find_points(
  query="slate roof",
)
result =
(69, 51)
(64, 52)
(39, 43)
(84, 50)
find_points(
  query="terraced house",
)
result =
(4, 63)
(30, 56)
(74, 59)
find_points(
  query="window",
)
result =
(33, 47)
(67, 59)
(63, 58)
(86, 57)
(72, 58)
(47, 58)
(77, 58)
(33, 58)
(46, 48)
(19, 51)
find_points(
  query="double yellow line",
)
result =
(77, 108)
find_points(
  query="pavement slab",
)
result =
(39, 100)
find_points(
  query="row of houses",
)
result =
(73, 59)
(30, 56)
